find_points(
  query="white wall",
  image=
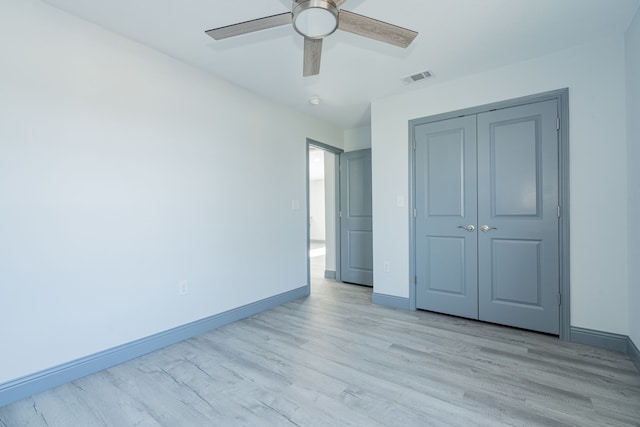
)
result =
(633, 114)
(123, 172)
(357, 138)
(595, 76)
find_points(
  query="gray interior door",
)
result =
(356, 238)
(518, 262)
(446, 217)
(487, 243)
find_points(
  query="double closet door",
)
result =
(486, 198)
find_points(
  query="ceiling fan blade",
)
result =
(250, 26)
(312, 56)
(374, 29)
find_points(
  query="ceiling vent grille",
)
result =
(416, 78)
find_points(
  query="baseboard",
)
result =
(634, 353)
(38, 382)
(600, 339)
(330, 274)
(390, 301)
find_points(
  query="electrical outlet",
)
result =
(183, 287)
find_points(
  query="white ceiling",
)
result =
(456, 38)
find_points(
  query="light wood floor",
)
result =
(334, 359)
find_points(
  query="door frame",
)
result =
(336, 151)
(561, 96)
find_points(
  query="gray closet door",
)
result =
(446, 217)
(487, 242)
(356, 237)
(518, 244)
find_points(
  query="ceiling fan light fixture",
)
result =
(315, 19)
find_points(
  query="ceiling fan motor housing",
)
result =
(315, 19)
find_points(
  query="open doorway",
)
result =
(323, 204)
(317, 213)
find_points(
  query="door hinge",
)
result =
(559, 299)
(414, 146)
(415, 212)
(559, 211)
(340, 214)
(557, 123)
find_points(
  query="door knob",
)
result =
(469, 227)
(486, 228)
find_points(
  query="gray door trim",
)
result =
(337, 152)
(561, 96)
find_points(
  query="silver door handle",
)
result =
(469, 227)
(486, 228)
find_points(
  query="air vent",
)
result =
(416, 78)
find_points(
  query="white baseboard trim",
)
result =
(29, 385)
(330, 274)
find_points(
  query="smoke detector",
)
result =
(314, 100)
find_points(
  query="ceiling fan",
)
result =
(315, 20)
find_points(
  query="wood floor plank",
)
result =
(334, 359)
